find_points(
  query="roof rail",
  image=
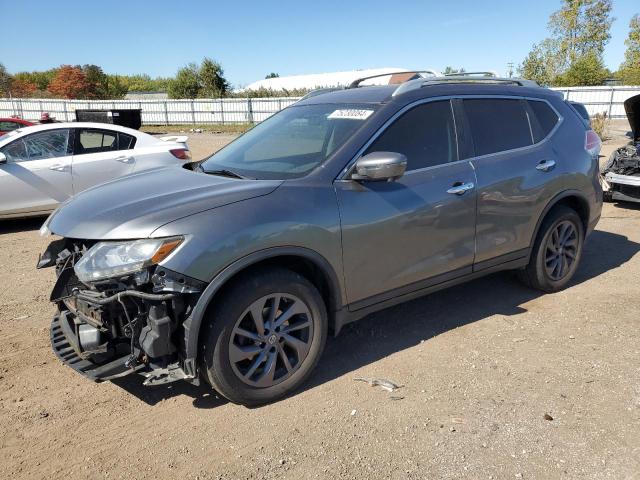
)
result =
(356, 83)
(423, 82)
(469, 74)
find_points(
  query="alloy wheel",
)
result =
(561, 250)
(271, 340)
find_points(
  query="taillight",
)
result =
(181, 153)
(592, 143)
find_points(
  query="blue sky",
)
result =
(251, 39)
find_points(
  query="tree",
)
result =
(211, 79)
(629, 71)
(272, 75)
(5, 81)
(587, 70)
(69, 82)
(22, 88)
(540, 64)
(580, 30)
(186, 84)
(450, 70)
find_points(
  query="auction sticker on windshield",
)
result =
(351, 114)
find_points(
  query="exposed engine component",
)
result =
(624, 161)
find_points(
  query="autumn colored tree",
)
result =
(22, 89)
(70, 82)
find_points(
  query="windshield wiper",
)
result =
(226, 173)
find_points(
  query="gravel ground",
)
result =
(498, 380)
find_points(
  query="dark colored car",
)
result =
(340, 205)
(622, 170)
(582, 110)
(10, 124)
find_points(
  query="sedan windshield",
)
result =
(289, 144)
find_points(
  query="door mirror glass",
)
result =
(3, 158)
(379, 166)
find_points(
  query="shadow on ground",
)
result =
(404, 326)
(21, 224)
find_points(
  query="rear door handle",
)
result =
(460, 188)
(125, 159)
(58, 167)
(546, 165)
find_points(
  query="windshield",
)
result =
(291, 143)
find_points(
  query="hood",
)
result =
(135, 206)
(632, 107)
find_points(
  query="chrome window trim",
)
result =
(346, 171)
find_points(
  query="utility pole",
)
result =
(510, 69)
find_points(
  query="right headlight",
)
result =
(117, 259)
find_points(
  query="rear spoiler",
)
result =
(175, 138)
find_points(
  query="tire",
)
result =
(550, 275)
(233, 333)
(607, 196)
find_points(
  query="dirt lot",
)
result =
(481, 364)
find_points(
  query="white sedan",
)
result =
(43, 165)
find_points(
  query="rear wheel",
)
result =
(556, 251)
(264, 337)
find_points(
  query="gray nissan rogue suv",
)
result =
(234, 270)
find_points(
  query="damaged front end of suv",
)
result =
(119, 312)
(622, 171)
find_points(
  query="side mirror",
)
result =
(379, 166)
(3, 158)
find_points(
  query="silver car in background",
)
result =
(43, 165)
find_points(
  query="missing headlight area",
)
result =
(129, 322)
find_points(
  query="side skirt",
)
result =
(358, 310)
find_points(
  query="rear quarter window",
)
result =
(545, 117)
(498, 124)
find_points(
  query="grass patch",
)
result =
(600, 124)
(231, 128)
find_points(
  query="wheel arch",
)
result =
(304, 261)
(573, 199)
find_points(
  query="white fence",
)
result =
(601, 99)
(252, 110)
(155, 112)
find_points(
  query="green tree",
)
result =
(579, 31)
(211, 79)
(272, 75)
(587, 70)
(5, 81)
(186, 83)
(450, 70)
(629, 71)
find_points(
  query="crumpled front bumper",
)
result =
(65, 345)
(624, 187)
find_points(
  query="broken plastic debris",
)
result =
(387, 385)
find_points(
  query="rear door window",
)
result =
(426, 135)
(498, 124)
(96, 141)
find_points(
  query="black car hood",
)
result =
(632, 108)
(135, 206)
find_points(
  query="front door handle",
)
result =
(124, 159)
(58, 167)
(546, 165)
(460, 188)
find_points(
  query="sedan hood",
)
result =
(135, 206)
(632, 108)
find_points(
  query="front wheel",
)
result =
(265, 336)
(556, 251)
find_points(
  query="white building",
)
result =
(323, 80)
